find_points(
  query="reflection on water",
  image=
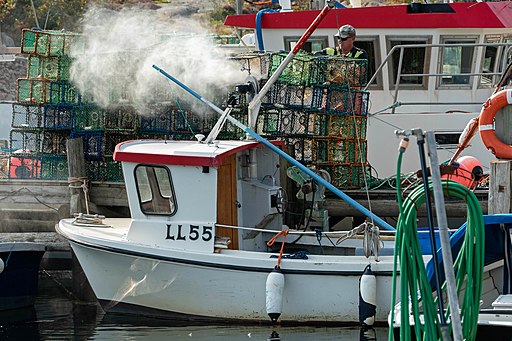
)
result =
(55, 317)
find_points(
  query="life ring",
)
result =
(486, 124)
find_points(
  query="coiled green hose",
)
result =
(414, 285)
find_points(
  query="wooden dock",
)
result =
(29, 206)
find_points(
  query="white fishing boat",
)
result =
(206, 239)
(172, 257)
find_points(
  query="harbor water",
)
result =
(56, 316)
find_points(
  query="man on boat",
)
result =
(346, 36)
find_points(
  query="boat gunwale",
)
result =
(228, 256)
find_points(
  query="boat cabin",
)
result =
(440, 61)
(178, 191)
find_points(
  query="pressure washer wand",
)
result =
(378, 221)
(446, 250)
(430, 218)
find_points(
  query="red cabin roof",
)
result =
(463, 15)
(185, 153)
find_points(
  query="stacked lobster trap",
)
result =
(317, 107)
(49, 110)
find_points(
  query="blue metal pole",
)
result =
(380, 222)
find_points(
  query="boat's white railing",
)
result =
(507, 48)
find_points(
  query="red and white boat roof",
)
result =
(187, 153)
(455, 15)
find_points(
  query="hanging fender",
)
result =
(367, 297)
(486, 124)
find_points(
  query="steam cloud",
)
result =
(113, 61)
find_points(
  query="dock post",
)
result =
(500, 187)
(76, 169)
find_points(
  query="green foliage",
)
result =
(220, 12)
(51, 15)
(6, 6)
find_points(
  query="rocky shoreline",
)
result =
(9, 73)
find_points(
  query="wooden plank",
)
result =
(52, 240)
(500, 187)
(383, 204)
(389, 208)
(57, 193)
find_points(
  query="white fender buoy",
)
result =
(367, 297)
(274, 294)
(2, 265)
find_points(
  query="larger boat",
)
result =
(431, 65)
(19, 274)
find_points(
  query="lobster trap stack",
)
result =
(38, 149)
(317, 107)
(49, 110)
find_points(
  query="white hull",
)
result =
(229, 285)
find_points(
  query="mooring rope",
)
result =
(272, 241)
(84, 186)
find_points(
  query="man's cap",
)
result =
(346, 31)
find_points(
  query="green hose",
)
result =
(416, 296)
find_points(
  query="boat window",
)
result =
(413, 61)
(371, 46)
(508, 51)
(447, 140)
(316, 43)
(154, 186)
(490, 61)
(456, 60)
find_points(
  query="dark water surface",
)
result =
(56, 317)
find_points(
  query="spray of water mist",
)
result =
(112, 63)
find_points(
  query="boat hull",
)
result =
(229, 288)
(19, 278)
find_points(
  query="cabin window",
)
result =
(154, 186)
(490, 62)
(456, 60)
(447, 140)
(507, 51)
(313, 44)
(371, 46)
(414, 61)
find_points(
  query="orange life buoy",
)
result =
(486, 124)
